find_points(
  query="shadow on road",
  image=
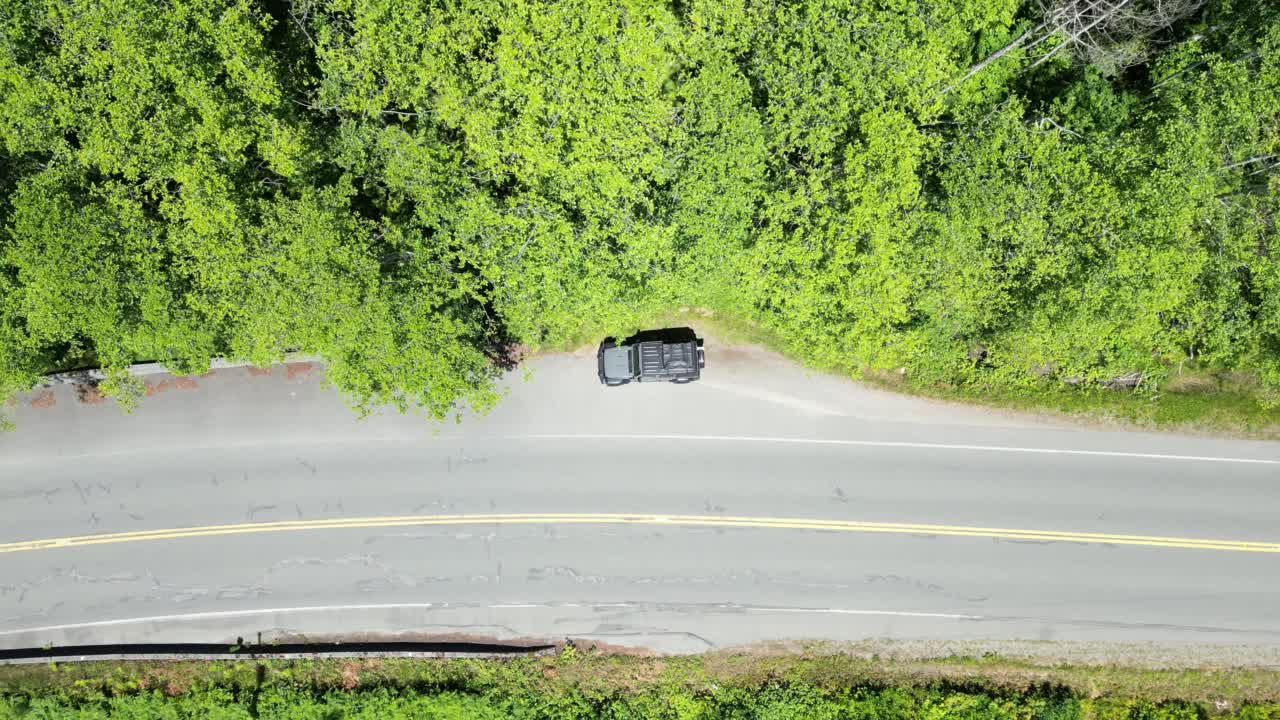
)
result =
(668, 335)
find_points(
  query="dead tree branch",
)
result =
(1110, 33)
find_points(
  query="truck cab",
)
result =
(650, 360)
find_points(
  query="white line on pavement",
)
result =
(227, 614)
(410, 441)
(894, 444)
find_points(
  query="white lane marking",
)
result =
(218, 614)
(226, 614)
(417, 442)
(843, 611)
(893, 444)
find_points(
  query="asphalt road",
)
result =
(761, 503)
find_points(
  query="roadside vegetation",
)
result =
(577, 684)
(1007, 200)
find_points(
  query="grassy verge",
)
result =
(1195, 400)
(1207, 407)
(577, 684)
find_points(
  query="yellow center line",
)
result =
(643, 519)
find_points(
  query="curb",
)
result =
(93, 376)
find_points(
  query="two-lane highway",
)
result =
(761, 503)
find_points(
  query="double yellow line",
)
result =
(721, 521)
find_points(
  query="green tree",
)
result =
(405, 187)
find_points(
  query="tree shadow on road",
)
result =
(668, 335)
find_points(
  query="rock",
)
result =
(1128, 381)
(1046, 370)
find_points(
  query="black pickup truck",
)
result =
(643, 360)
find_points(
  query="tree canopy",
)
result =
(404, 187)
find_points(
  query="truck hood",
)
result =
(617, 363)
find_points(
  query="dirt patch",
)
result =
(885, 377)
(89, 394)
(725, 355)
(258, 371)
(293, 371)
(177, 383)
(521, 352)
(599, 646)
(43, 399)
(350, 673)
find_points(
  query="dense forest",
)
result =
(1019, 191)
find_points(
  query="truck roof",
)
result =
(663, 358)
